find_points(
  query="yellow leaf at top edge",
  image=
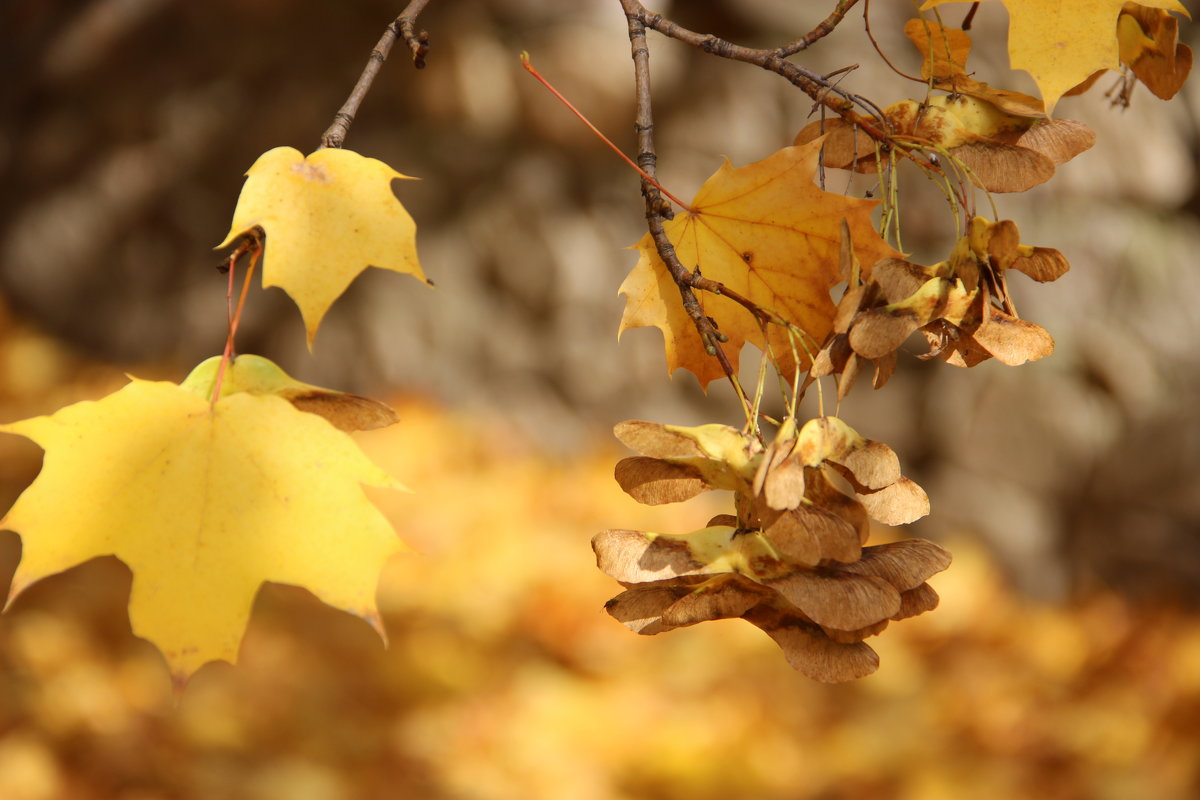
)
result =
(203, 505)
(1062, 43)
(327, 217)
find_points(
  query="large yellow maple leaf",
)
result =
(1062, 42)
(203, 504)
(328, 217)
(765, 231)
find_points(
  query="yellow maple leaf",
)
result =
(328, 217)
(203, 504)
(1062, 43)
(765, 231)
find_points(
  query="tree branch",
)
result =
(401, 27)
(820, 32)
(820, 89)
(657, 207)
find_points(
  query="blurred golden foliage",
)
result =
(506, 679)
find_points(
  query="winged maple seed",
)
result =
(836, 357)
(791, 561)
(1149, 46)
(1149, 41)
(961, 305)
(1001, 137)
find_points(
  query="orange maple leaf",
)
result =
(767, 232)
(1149, 39)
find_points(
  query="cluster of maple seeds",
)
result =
(1000, 140)
(961, 305)
(791, 560)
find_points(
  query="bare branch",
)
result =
(418, 43)
(817, 87)
(401, 27)
(820, 32)
(658, 209)
(879, 50)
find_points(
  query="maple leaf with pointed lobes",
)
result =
(328, 217)
(767, 232)
(203, 504)
(1062, 43)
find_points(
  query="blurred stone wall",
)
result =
(126, 125)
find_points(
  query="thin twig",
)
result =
(841, 102)
(230, 353)
(970, 17)
(879, 50)
(820, 32)
(400, 27)
(418, 42)
(579, 114)
(657, 207)
(763, 315)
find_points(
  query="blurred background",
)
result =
(1064, 661)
